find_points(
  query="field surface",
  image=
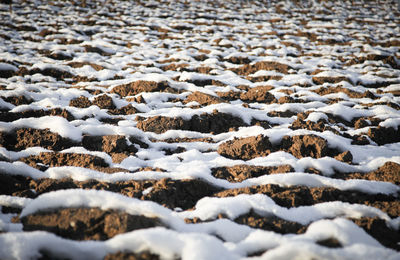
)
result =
(199, 130)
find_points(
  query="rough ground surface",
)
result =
(199, 129)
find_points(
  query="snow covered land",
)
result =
(199, 129)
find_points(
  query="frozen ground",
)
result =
(199, 130)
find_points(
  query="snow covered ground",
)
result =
(200, 130)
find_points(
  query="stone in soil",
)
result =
(239, 173)
(87, 223)
(140, 86)
(246, 148)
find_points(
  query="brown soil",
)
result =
(81, 102)
(64, 159)
(202, 99)
(29, 137)
(104, 101)
(339, 89)
(76, 64)
(246, 148)
(126, 110)
(239, 173)
(297, 196)
(382, 135)
(141, 86)
(306, 145)
(258, 94)
(262, 65)
(205, 123)
(52, 72)
(270, 223)
(12, 116)
(87, 223)
(321, 80)
(108, 144)
(17, 100)
(167, 192)
(132, 256)
(389, 172)
(378, 229)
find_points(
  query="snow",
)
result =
(135, 51)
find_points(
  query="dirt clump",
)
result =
(18, 100)
(132, 256)
(379, 230)
(306, 145)
(30, 137)
(140, 86)
(161, 124)
(108, 144)
(383, 135)
(80, 102)
(248, 69)
(270, 223)
(389, 172)
(64, 159)
(239, 173)
(246, 148)
(258, 94)
(202, 99)
(333, 80)
(126, 110)
(104, 101)
(15, 185)
(179, 193)
(205, 123)
(87, 223)
(12, 116)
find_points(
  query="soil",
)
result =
(262, 65)
(28, 137)
(270, 223)
(291, 50)
(141, 86)
(12, 116)
(246, 148)
(258, 94)
(45, 160)
(87, 223)
(132, 256)
(202, 98)
(239, 173)
(205, 123)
